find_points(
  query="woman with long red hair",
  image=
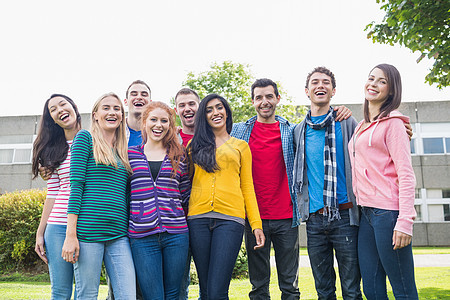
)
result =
(160, 187)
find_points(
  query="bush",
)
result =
(20, 214)
(240, 270)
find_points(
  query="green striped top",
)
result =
(98, 194)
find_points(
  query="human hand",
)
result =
(342, 113)
(71, 249)
(45, 173)
(400, 239)
(409, 130)
(39, 248)
(260, 238)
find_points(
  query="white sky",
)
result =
(86, 48)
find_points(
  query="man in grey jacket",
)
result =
(322, 182)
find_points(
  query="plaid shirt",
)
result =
(243, 131)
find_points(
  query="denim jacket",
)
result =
(243, 131)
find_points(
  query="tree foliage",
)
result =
(233, 81)
(420, 25)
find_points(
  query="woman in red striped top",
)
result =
(59, 124)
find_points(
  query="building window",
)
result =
(433, 145)
(16, 149)
(418, 194)
(419, 212)
(434, 194)
(6, 156)
(447, 145)
(22, 156)
(446, 193)
(446, 212)
(413, 146)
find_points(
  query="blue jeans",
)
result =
(284, 238)
(378, 258)
(215, 245)
(61, 272)
(160, 260)
(186, 281)
(322, 238)
(116, 255)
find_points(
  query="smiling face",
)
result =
(157, 125)
(376, 89)
(62, 113)
(109, 113)
(186, 107)
(265, 102)
(320, 89)
(137, 99)
(216, 115)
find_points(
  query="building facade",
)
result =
(17, 134)
(430, 153)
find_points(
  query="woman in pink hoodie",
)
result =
(384, 182)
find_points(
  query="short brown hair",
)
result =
(262, 83)
(139, 82)
(186, 91)
(322, 70)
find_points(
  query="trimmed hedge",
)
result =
(20, 213)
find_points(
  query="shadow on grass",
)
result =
(434, 293)
(24, 277)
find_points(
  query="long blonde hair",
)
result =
(103, 154)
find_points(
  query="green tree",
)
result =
(420, 25)
(233, 82)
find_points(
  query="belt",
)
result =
(342, 206)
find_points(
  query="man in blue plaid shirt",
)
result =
(270, 138)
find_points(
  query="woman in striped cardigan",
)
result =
(97, 217)
(160, 187)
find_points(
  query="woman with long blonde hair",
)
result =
(98, 207)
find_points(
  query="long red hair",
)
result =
(174, 149)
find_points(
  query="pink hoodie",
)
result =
(382, 172)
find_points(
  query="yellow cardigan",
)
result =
(230, 190)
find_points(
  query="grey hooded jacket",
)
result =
(300, 184)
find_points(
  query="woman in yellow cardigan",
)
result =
(222, 197)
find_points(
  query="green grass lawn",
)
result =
(433, 283)
(431, 250)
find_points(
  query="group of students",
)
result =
(139, 196)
